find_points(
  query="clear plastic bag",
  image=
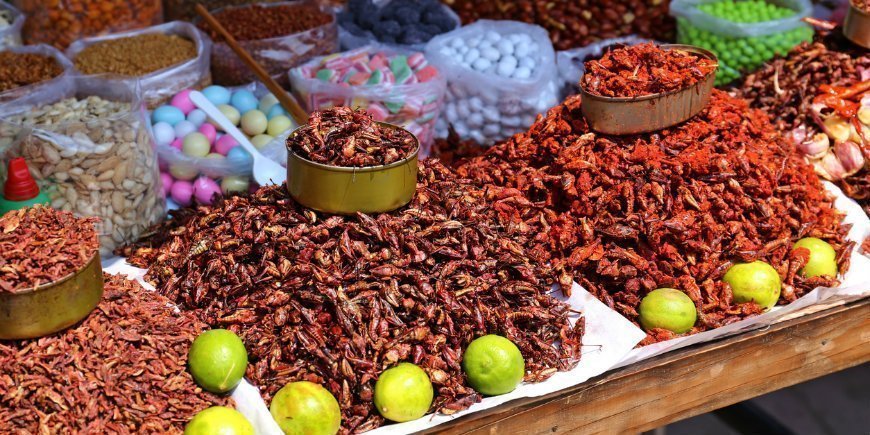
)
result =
(10, 36)
(741, 47)
(570, 62)
(44, 90)
(485, 106)
(275, 55)
(350, 40)
(415, 106)
(159, 86)
(89, 149)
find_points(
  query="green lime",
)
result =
(217, 360)
(403, 393)
(219, 420)
(823, 258)
(669, 309)
(306, 408)
(756, 281)
(493, 365)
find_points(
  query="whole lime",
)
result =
(493, 365)
(219, 420)
(306, 408)
(217, 360)
(756, 281)
(667, 308)
(403, 393)
(823, 258)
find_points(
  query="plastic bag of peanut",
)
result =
(89, 150)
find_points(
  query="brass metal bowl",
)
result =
(343, 190)
(53, 306)
(857, 26)
(633, 115)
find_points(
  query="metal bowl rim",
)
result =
(854, 8)
(58, 281)
(686, 47)
(356, 169)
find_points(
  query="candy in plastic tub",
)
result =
(500, 76)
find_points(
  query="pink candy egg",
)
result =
(182, 192)
(177, 144)
(166, 181)
(182, 101)
(204, 189)
(209, 131)
(224, 144)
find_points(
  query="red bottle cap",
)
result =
(20, 185)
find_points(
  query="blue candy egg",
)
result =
(244, 101)
(217, 94)
(168, 114)
(238, 154)
(197, 117)
(275, 111)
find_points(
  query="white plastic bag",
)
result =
(350, 40)
(571, 62)
(10, 36)
(41, 91)
(485, 106)
(159, 86)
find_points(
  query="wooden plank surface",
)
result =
(690, 381)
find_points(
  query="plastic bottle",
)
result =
(20, 190)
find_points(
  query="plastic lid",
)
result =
(20, 186)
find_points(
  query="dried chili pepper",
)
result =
(39, 245)
(673, 208)
(337, 300)
(122, 370)
(644, 69)
(341, 136)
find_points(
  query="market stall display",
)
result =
(400, 22)
(29, 70)
(788, 88)
(278, 36)
(393, 85)
(92, 155)
(573, 23)
(165, 59)
(743, 34)
(122, 370)
(11, 21)
(60, 23)
(500, 75)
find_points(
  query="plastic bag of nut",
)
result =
(60, 22)
(40, 91)
(570, 62)
(90, 151)
(500, 76)
(286, 45)
(11, 22)
(160, 85)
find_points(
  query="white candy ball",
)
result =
(490, 53)
(481, 64)
(164, 134)
(522, 73)
(475, 120)
(490, 114)
(456, 42)
(505, 46)
(474, 41)
(491, 129)
(522, 49)
(475, 103)
(462, 109)
(527, 62)
(472, 55)
(183, 128)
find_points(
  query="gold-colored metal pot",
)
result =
(857, 26)
(53, 306)
(622, 115)
(341, 190)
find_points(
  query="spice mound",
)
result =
(675, 208)
(345, 137)
(249, 23)
(39, 245)
(122, 370)
(644, 69)
(337, 300)
(22, 69)
(135, 55)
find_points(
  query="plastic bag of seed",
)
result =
(393, 84)
(278, 35)
(90, 151)
(11, 22)
(571, 62)
(406, 23)
(46, 69)
(500, 76)
(743, 34)
(165, 59)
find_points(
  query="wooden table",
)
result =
(690, 381)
